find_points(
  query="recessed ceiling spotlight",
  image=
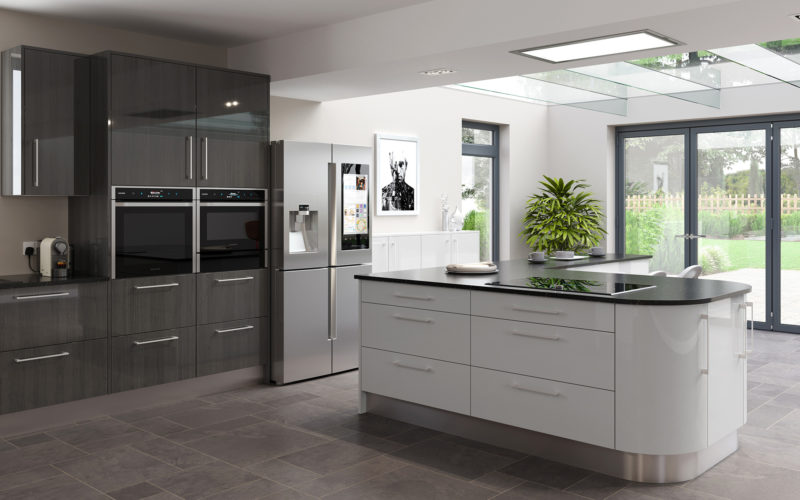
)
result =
(437, 72)
(796, 16)
(596, 47)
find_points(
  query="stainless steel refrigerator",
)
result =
(321, 238)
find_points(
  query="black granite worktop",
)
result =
(667, 291)
(34, 280)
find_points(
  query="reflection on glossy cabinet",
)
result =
(232, 128)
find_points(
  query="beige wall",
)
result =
(433, 116)
(35, 218)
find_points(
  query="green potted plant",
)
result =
(563, 217)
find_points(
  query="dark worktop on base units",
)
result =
(667, 291)
(34, 280)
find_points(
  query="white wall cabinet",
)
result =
(398, 252)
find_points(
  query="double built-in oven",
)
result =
(157, 230)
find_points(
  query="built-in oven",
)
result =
(232, 228)
(152, 231)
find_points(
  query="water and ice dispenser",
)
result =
(303, 230)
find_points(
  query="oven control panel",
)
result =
(152, 194)
(233, 195)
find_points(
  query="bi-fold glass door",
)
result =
(786, 239)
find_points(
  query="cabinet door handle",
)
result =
(155, 341)
(189, 158)
(229, 280)
(39, 358)
(707, 319)
(408, 318)
(148, 287)
(411, 297)
(412, 367)
(743, 353)
(515, 307)
(231, 330)
(41, 296)
(534, 336)
(515, 385)
(205, 158)
(36, 163)
(752, 327)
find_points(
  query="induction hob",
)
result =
(560, 285)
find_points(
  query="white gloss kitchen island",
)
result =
(648, 385)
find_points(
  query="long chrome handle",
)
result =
(39, 358)
(41, 296)
(231, 330)
(407, 318)
(36, 163)
(411, 297)
(743, 353)
(228, 280)
(332, 335)
(412, 367)
(333, 213)
(205, 158)
(148, 287)
(515, 307)
(690, 236)
(534, 336)
(705, 370)
(515, 385)
(155, 341)
(752, 328)
(189, 157)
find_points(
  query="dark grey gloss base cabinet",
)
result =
(152, 303)
(152, 358)
(232, 345)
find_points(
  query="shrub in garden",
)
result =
(714, 260)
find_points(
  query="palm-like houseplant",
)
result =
(562, 217)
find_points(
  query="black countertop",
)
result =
(667, 291)
(589, 261)
(34, 280)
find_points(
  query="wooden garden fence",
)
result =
(753, 203)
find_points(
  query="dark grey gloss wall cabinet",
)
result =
(41, 91)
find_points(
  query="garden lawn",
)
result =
(752, 253)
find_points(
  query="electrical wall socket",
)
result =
(34, 244)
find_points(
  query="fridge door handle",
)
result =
(332, 304)
(333, 215)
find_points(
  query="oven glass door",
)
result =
(231, 237)
(153, 239)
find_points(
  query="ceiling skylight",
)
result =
(596, 47)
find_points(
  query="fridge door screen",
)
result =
(355, 206)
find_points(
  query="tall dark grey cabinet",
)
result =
(39, 102)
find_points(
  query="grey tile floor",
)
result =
(306, 441)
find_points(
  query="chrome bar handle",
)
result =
(205, 158)
(412, 367)
(332, 335)
(515, 385)
(149, 287)
(189, 158)
(39, 358)
(743, 353)
(411, 297)
(705, 370)
(231, 330)
(36, 163)
(752, 327)
(41, 296)
(155, 341)
(228, 280)
(534, 336)
(407, 318)
(515, 307)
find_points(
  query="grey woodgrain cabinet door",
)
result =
(49, 375)
(231, 295)
(56, 314)
(152, 122)
(48, 118)
(232, 128)
(152, 358)
(232, 345)
(152, 303)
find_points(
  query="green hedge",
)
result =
(477, 221)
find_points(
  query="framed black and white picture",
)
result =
(397, 175)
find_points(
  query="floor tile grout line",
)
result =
(791, 410)
(81, 481)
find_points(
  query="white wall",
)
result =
(433, 116)
(28, 218)
(581, 143)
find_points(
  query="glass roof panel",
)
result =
(789, 49)
(585, 82)
(706, 69)
(763, 60)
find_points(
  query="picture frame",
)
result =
(397, 175)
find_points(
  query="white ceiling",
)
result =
(334, 49)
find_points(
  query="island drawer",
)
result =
(152, 303)
(232, 345)
(429, 382)
(454, 300)
(432, 334)
(572, 355)
(231, 295)
(551, 311)
(569, 411)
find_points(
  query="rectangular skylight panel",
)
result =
(618, 44)
(763, 60)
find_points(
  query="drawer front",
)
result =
(582, 357)
(152, 358)
(44, 376)
(152, 304)
(58, 314)
(546, 310)
(231, 295)
(419, 380)
(232, 345)
(569, 411)
(452, 300)
(419, 332)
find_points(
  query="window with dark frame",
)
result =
(480, 166)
